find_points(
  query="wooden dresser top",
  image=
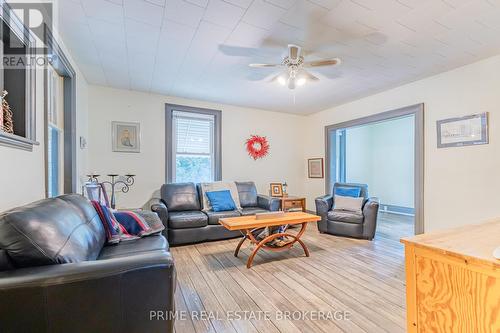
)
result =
(475, 242)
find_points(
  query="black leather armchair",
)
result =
(348, 223)
(56, 274)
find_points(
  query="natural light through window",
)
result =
(193, 147)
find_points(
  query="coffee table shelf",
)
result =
(247, 224)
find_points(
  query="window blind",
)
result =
(193, 133)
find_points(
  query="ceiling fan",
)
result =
(295, 73)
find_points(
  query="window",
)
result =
(17, 78)
(53, 167)
(55, 133)
(193, 144)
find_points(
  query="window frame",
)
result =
(170, 154)
(22, 32)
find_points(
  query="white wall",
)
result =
(358, 155)
(382, 156)
(393, 162)
(284, 132)
(22, 173)
(461, 184)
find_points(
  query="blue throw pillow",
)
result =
(354, 192)
(221, 201)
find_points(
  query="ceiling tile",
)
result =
(78, 15)
(263, 14)
(143, 11)
(247, 35)
(157, 2)
(345, 15)
(93, 73)
(201, 3)
(77, 37)
(304, 14)
(117, 77)
(175, 40)
(103, 10)
(183, 12)
(283, 34)
(420, 18)
(223, 13)
(141, 37)
(175, 35)
(116, 59)
(241, 3)
(328, 4)
(467, 13)
(107, 37)
(490, 18)
(285, 4)
(201, 51)
(141, 67)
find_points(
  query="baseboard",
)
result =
(400, 210)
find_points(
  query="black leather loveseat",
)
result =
(56, 274)
(180, 209)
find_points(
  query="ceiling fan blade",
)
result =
(264, 65)
(320, 63)
(263, 75)
(261, 52)
(294, 51)
(308, 76)
(275, 78)
(273, 43)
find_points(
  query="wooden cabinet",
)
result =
(453, 280)
(294, 203)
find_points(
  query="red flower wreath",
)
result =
(257, 146)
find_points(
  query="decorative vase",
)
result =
(7, 124)
(1, 118)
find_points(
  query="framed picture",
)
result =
(126, 137)
(463, 131)
(276, 189)
(315, 168)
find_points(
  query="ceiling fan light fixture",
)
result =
(295, 73)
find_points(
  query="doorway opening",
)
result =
(384, 151)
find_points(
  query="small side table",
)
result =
(291, 202)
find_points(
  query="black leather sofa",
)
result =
(56, 274)
(348, 223)
(180, 209)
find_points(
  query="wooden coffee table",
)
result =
(247, 224)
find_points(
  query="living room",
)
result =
(254, 89)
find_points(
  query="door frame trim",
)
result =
(62, 67)
(418, 111)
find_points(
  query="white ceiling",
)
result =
(172, 46)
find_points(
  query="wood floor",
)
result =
(358, 283)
